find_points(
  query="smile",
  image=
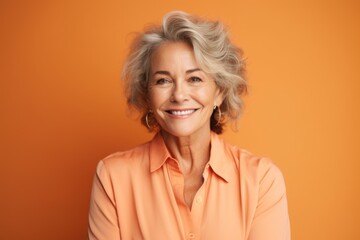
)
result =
(181, 112)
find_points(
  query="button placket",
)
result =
(198, 208)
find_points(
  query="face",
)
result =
(181, 96)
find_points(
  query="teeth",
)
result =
(179, 113)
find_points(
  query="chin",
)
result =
(185, 131)
(177, 133)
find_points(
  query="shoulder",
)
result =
(255, 169)
(123, 162)
(261, 179)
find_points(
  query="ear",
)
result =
(219, 97)
(147, 100)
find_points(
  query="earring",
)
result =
(147, 120)
(219, 115)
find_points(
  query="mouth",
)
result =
(181, 112)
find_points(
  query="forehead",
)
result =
(173, 55)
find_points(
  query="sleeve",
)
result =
(271, 219)
(103, 220)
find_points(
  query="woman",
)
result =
(186, 78)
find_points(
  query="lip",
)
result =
(181, 113)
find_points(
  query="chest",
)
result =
(159, 208)
(192, 184)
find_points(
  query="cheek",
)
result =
(156, 98)
(206, 96)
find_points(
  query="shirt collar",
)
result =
(158, 152)
(219, 159)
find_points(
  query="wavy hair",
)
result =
(213, 51)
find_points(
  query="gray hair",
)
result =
(213, 51)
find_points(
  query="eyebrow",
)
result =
(168, 73)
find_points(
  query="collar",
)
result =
(220, 162)
(158, 153)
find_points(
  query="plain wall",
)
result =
(62, 107)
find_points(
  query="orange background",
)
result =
(62, 107)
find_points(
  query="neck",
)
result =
(192, 152)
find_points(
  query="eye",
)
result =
(162, 81)
(195, 79)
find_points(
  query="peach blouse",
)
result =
(138, 194)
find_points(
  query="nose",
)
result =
(179, 92)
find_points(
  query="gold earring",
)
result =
(219, 115)
(147, 120)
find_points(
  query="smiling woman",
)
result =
(213, 52)
(186, 78)
(181, 96)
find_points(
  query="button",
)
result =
(191, 235)
(199, 199)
